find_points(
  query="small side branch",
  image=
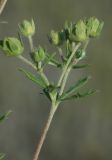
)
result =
(2, 5)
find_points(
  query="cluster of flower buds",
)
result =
(74, 36)
(78, 32)
(11, 46)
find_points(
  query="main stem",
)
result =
(45, 130)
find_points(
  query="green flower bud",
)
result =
(27, 28)
(56, 38)
(79, 31)
(11, 46)
(94, 27)
(39, 54)
(80, 54)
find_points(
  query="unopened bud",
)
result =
(94, 27)
(56, 38)
(27, 28)
(11, 46)
(39, 54)
(79, 31)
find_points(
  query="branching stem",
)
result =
(64, 81)
(27, 62)
(67, 64)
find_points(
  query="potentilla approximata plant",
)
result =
(71, 44)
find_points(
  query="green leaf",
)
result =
(5, 116)
(33, 78)
(80, 83)
(80, 66)
(2, 155)
(78, 95)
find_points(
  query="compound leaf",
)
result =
(80, 83)
(79, 95)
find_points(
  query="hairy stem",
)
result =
(45, 130)
(43, 76)
(86, 44)
(66, 71)
(31, 43)
(27, 62)
(67, 64)
(64, 81)
(65, 78)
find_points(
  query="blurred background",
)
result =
(81, 130)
